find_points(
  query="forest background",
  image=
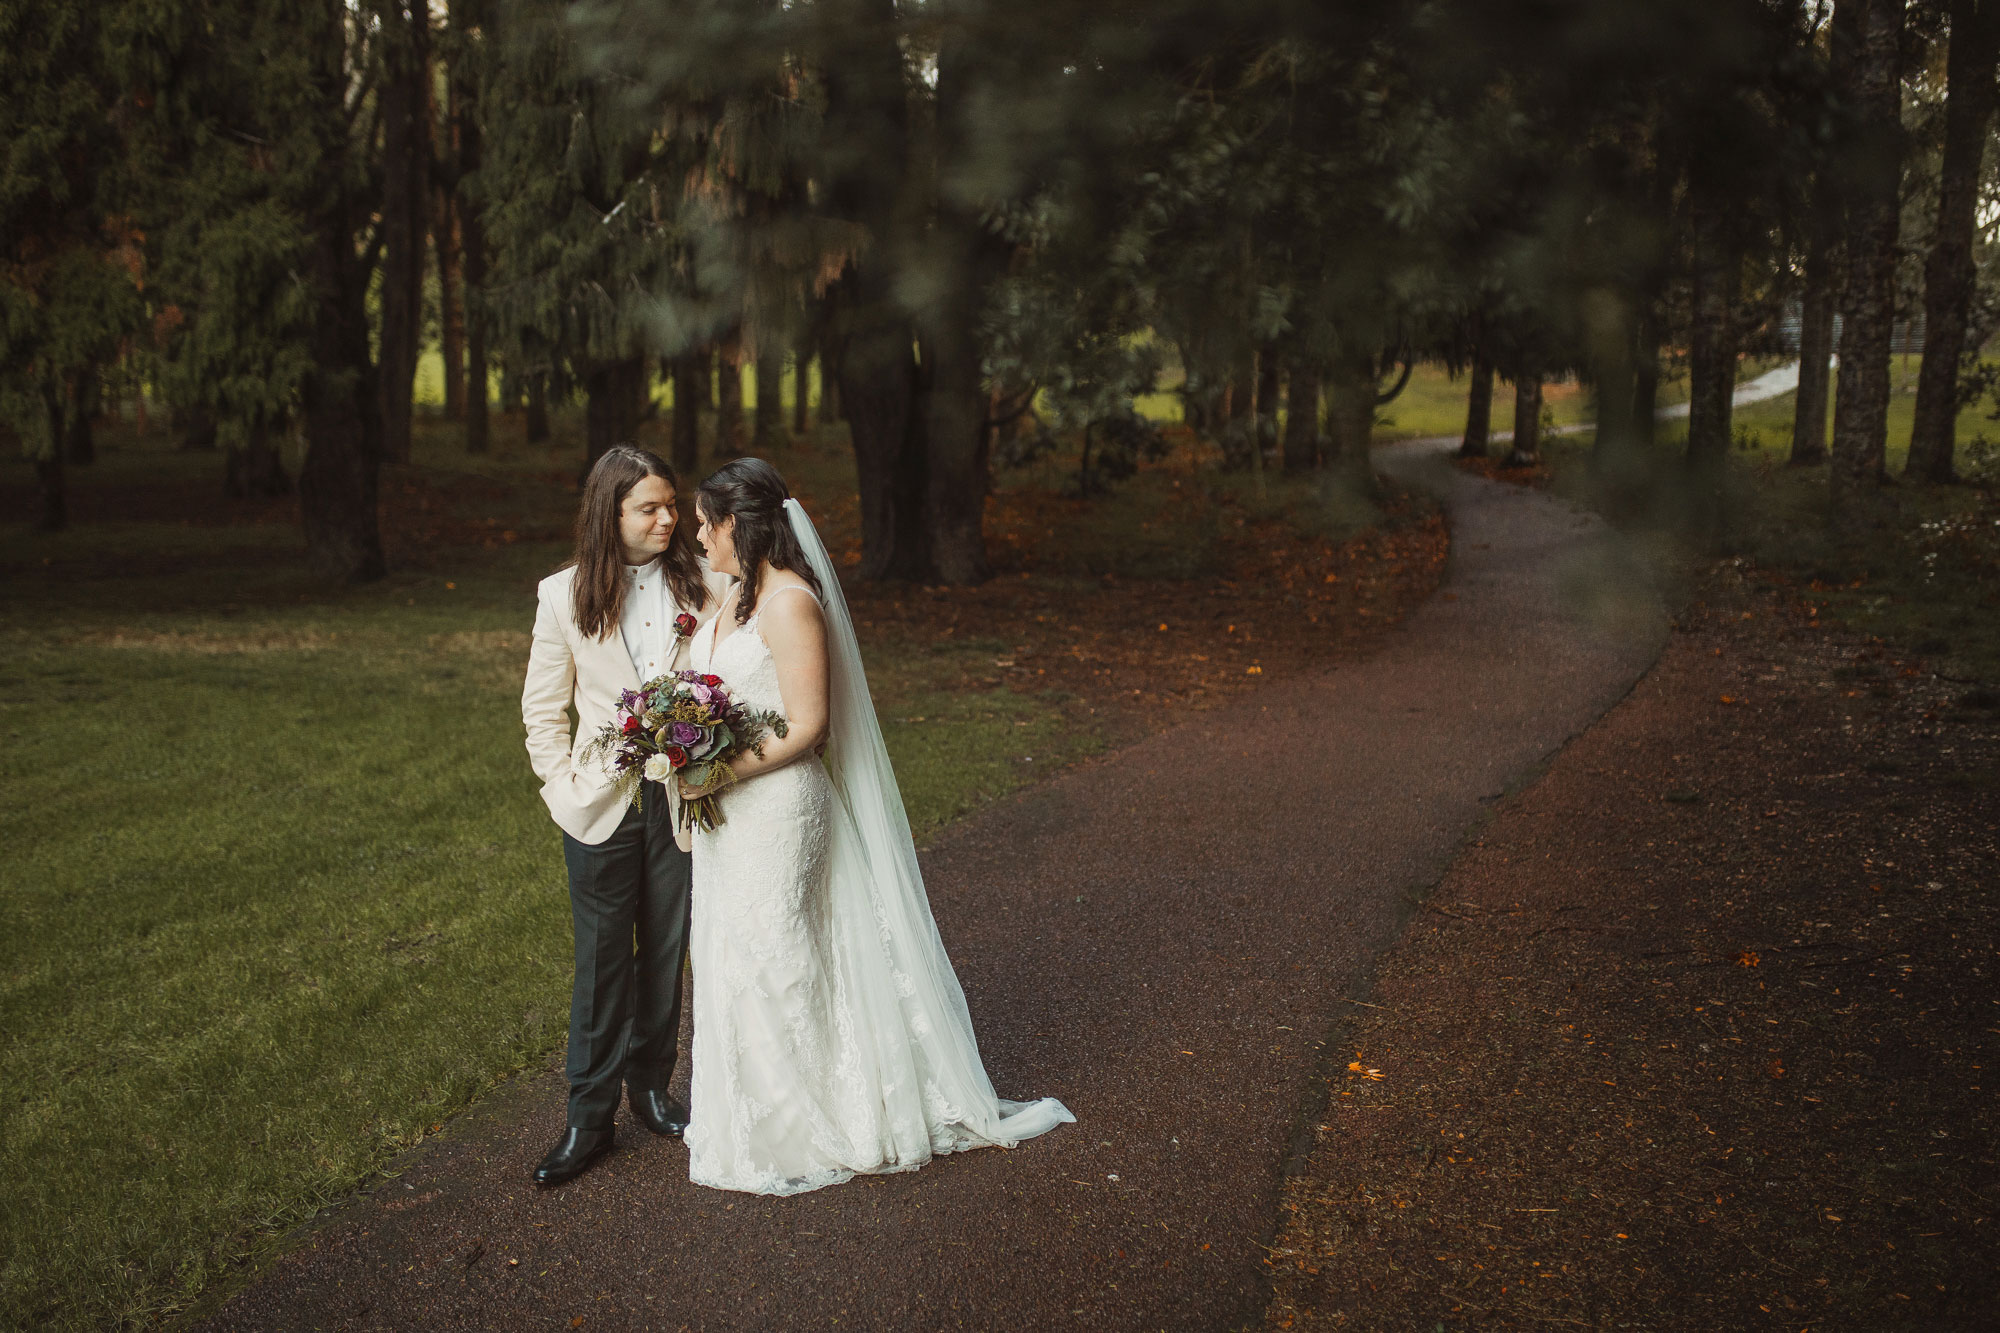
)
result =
(1069, 321)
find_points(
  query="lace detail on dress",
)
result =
(766, 1018)
(807, 1068)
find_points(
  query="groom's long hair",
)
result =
(598, 595)
(753, 493)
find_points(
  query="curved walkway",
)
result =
(1162, 939)
(1771, 384)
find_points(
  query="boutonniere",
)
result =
(685, 626)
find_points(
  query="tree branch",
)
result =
(1408, 365)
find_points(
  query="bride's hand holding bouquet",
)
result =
(683, 728)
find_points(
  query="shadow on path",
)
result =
(1164, 951)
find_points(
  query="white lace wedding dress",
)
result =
(830, 1034)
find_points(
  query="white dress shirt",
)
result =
(648, 622)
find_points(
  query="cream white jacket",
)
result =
(567, 670)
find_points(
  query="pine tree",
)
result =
(72, 267)
(464, 53)
(259, 123)
(1949, 272)
(403, 103)
(579, 190)
(1871, 30)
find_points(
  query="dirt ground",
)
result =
(1694, 1035)
(1138, 651)
(1274, 598)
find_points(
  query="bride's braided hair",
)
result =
(750, 491)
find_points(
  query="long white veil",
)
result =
(914, 1026)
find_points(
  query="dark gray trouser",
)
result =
(628, 898)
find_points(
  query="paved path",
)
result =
(1770, 384)
(1163, 954)
(1773, 383)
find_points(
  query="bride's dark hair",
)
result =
(750, 491)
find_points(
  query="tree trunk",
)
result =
(478, 430)
(1350, 420)
(1645, 375)
(1243, 384)
(1711, 344)
(338, 480)
(451, 307)
(830, 412)
(405, 110)
(1270, 370)
(51, 482)
(687, 425)
(969, 258)
(616, 392)
(257, 468)
(1302, 437)
(1478, 408)
(447, 227)
(955, 473)
(471, 238)
(1949, 271)
(877, 379)
(729, 398)
(79, 440)
(1816, 303)
(1861, 400)
(869, 337)
(537, 424)
(1205, 388)
(802, 390)
(1620, 464)
(768, 429)
(1527, 450)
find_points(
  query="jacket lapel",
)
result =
(605, 658)
(616, 661)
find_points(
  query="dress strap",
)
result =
(785, 587)
(762, 600)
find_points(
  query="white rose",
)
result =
(659, 768)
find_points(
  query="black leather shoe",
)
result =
(573, 1154)
(658, 1112)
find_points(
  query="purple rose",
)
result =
(686, 733)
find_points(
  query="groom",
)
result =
(610, 620)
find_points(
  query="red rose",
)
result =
(711, 680)
(676, 756)
(685, 623)
(631, 725)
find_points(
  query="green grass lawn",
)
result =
(1922, 568)
(1433, 403)
(281, 894)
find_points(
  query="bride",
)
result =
(830, 1034)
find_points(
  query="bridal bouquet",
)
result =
(681, 725)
